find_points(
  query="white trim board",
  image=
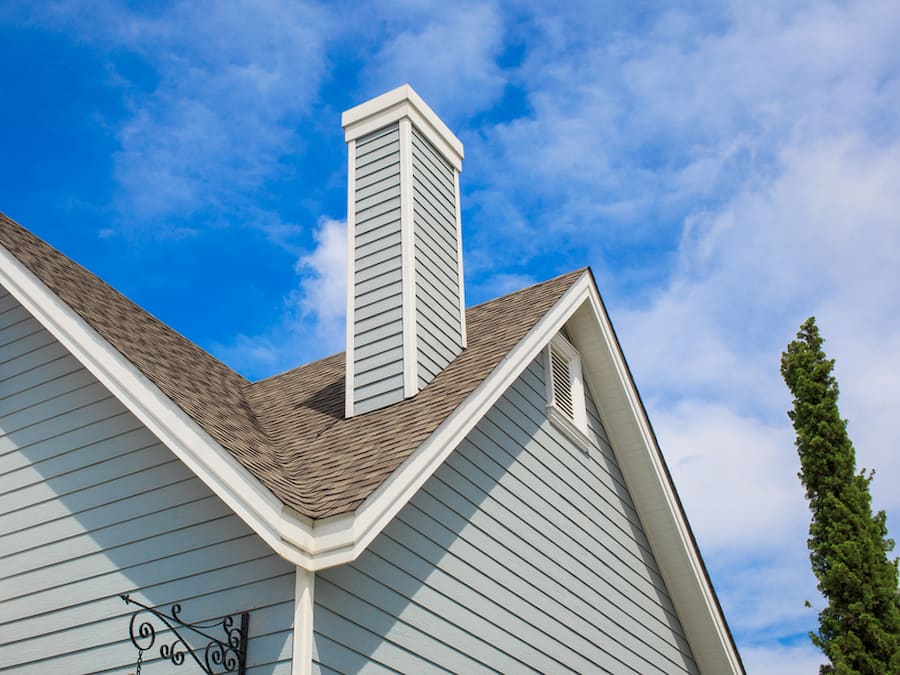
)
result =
(304, 605)
(408, 263)
(349, 327)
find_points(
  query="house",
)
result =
(463, 490)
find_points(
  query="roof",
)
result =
(346, 459)
(289, 431)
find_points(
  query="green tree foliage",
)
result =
(859, 630)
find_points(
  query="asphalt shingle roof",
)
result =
(289, 430)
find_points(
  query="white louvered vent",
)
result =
(562, 382)
(565, 389)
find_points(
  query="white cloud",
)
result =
(780, 660)
(214, 94)
(311, 324)
(627, 136)
(820, 239)
(447, 52)
(233, 83)
(736, 474)
(322, 296)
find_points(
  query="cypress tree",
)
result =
(859, 630)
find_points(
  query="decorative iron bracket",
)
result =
(228, 655)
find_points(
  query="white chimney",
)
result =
(405, 307)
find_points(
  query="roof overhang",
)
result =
(651, 487)
(319, 544)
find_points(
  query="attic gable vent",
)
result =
(561, 376)
(565, 389)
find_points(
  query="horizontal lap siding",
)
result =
(521, 553)
(378, 295)
(92, 505)
(438, 321)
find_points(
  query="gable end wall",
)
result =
(520, 553)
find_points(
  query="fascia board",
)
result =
(202, 454)
(399, 103)
(651, 489)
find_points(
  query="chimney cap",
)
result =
(399, 103)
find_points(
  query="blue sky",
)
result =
(727, 169)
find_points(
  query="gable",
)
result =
(93, 505)
(522, 551)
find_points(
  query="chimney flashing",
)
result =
(402, 102)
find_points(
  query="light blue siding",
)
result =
(438, 313)
(91, 506)
(378, 295)
(380, 193)
(521, 553)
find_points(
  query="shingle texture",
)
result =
(289, 430)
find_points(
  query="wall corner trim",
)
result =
(408, 269)
(351, 246)
(304, 606)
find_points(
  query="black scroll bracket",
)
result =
(226, 654)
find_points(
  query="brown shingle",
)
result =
(289, 430)
(346, 459)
